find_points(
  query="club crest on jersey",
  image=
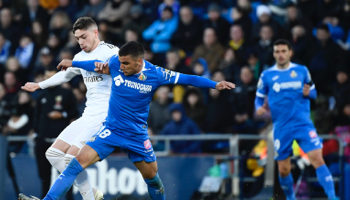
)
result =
(293, 74)
(312, 134)
(142, 77)
(147, 144)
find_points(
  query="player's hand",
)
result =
(30, 87)
(101, 68)
(55, 115)
(64, 64)
(261, 111)
(225, 85)
(306, 90)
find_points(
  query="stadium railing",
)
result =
(233, 154)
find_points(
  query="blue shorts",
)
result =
(139, 147)
(306, 137)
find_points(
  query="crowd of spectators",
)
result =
(219, 39)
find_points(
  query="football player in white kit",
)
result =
(74, 136)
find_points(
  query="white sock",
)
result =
(55, 157)
(82, 182)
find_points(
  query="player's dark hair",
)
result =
(132, 48)
(83, 23)
(283, 42)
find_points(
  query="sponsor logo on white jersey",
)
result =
(277, 87)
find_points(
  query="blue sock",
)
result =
(287, 186)
(64, 181)
(326, 180)
(155, 188)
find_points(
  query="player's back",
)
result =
(284, 90)
(98, 85)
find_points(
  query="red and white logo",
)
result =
(313, 134)
(147, 144)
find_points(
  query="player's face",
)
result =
(282, 54)
(130, 65)
(87, 39)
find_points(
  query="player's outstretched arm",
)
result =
(201, 82)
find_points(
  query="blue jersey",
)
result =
(284, 91)
(131, 95)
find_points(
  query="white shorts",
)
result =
(81, 130)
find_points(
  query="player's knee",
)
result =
(53, 154)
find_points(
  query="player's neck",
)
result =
(96, 44)
(284, 66)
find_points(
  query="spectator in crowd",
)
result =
(264, 46)
(45, 61)
(195, 108)
(174, 4)
(229, 65)
(60, 25)
(293, 17)
(188, 30)
(25, 52)
(159, 114)
(238, 44)
(92, 9)
(241, 17)
(216, 21)
(12, 65)
(116, 14)
(180, 124)
(341, 89)
(137, 19)
(56, 107)
(5, 47)
(31, 13)
(39, 34)
(211, 50)
(175, 63)
(68, 6)
(8, 27)
(131, 34)
(160, 31)
(301, 43)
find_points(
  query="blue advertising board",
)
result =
(116, 176)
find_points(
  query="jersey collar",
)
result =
(278, 69)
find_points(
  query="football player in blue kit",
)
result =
(135, 81)
(288, 89)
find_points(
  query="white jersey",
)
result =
(98, 85)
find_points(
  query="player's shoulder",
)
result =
(108, 47)
(297, 66)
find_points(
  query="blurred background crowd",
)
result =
(219, 39)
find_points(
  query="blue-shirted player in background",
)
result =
(135, 81)
(289, 88)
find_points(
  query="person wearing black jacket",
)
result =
(55, 109)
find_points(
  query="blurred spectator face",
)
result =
(166, 15)
(186, 15)
(87, 39)
(32, 4)
(12, 64)
(60, 20)
(229, 55)
(2, 91)
(214, 93)
(282, 54)
(263, 12)
(342, 77)
(236, 33)
(64, 3)
(246, 75)
(66, 54)
(209, 37)
(297, 32)
(25, 41)
(148, 55)
(94, 2)
(176, 115)
(266, 33)
(218, 76)
(334, 21)
(10, 80)
(322, 35)
(213, 15)
(2, 40)
(346, 110)
(172, 59)
(130, 35)
(5, 17)
(236, 14)
(37, 28)
(252, 60)
(245, 4)
(23, 97)
(198, 69)
(162, 94)
(53, 41)
(192, 99)
(292, 13)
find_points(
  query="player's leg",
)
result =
(312, 145)
(85, 157)
(285, 178)
(323, 175)
(149, 173)
(55, 154)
